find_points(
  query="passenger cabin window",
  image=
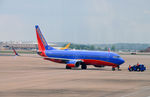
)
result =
(116, 56)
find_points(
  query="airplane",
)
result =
(66, 47)
(16, 54)
(76, 58)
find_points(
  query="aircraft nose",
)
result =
(121, 61)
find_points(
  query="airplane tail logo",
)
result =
(42, 44)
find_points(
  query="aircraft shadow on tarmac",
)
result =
(59, 68)
(6, 55)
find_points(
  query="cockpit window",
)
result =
(116, 56)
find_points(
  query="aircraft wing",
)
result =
(63, 60)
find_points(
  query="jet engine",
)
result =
(73, 63)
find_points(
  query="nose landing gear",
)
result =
(118, 68)
(114, 68)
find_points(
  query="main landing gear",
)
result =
(83, 66)
(67, 67)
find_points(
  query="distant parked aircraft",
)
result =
(76, 58)
(15, 51)
(66, 47)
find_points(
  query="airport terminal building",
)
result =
(21, 45)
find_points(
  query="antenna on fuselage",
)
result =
(109, 50)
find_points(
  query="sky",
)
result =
(76, 21)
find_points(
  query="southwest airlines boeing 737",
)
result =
(76, 58)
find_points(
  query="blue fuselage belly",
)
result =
(93, 55)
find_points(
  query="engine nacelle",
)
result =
(74, 63)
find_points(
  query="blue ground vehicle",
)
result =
(139, 67)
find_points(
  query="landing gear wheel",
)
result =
(67, 67)
(118, 68)
(138, 69)
(83, 66)
(113, 68)
(130, 69)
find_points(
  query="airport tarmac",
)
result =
(31, 76)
